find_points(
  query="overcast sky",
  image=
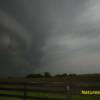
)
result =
(59, 36)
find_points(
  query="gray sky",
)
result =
(49, 35)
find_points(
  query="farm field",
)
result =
(54, 97)
(48, 89)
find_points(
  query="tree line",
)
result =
(48, 74)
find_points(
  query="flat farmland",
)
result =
(48, 88)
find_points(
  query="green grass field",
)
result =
(50, 95)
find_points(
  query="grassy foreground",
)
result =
(48, 95)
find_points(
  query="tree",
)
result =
(64, 75)
(61, 75)
(47, 74)
(72, 75)
(34, 76)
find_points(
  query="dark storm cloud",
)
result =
(32, 16)
(14, 43)
(74, 46)
(49, 35)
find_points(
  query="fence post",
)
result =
(67, 92)
(25, 90)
